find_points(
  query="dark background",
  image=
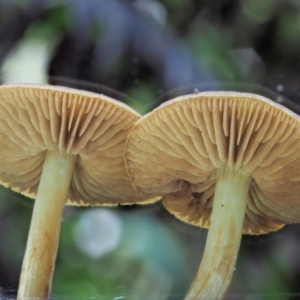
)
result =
(144, 52)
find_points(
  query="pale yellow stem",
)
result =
(224, 236)
(42, 243)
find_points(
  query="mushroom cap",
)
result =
(176, 150)
(38, 118)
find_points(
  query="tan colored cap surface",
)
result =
(34, 119)
(175, 151)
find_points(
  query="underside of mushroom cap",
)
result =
(176, 150)
(35, 119)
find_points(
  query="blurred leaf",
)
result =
(211, 49)
(288, 32)
(143, 97)
(259, 11)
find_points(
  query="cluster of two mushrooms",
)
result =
(61, 146)
(224, 160)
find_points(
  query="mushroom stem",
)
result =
(42, 243)
(224, 236)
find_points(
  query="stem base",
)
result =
(42, 243)
(224, 235)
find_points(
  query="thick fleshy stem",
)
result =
(42, 243)
(224, 237)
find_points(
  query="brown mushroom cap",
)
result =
(34, 119)
(176, 150)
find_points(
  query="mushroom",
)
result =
(224, 160)
(61, 146)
